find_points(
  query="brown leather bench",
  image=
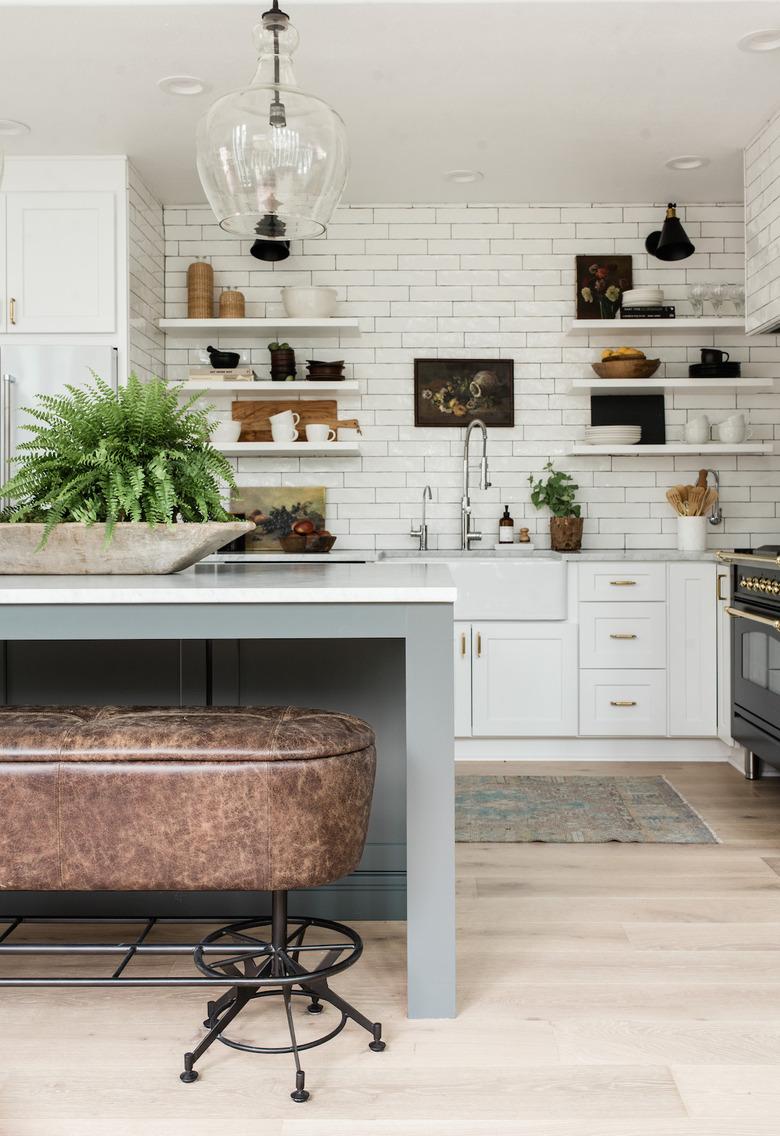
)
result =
(201, 798)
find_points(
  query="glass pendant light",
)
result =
(272, 159)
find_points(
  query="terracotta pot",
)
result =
(566, 534)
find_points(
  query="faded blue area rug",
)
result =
(575, 810)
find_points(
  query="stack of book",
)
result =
(664, 311)
(222, 374)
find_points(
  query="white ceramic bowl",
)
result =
(302, 302)
(226, 432)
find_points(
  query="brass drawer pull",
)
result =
(12, 310)
(626, 635)
(479, 645)
(718, 593)
(463, 644)
(622, 583)
(622, 703)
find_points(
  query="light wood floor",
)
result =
(605, 990)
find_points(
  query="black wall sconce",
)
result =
(670, 242)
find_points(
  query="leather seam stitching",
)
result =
(59, 824)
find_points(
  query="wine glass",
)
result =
(735, 294)
(717, 296)
(696, 295)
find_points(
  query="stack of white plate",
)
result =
(612, 435)
(650, 296)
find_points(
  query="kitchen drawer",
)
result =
(616, 703)
(626, 582)
(623, 635)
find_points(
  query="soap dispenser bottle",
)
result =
(506, 528)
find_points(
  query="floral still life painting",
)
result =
(453, 392)
(601, 282)
(279, 512)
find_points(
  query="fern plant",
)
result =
(102, 456)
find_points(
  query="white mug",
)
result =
(319, 432)
(697, 430)
(283, 426)
(734, 429)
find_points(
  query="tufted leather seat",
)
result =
(201, 798)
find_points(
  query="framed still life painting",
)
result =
(276, 511)
(453, 392)
(601, 282)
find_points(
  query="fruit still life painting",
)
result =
(280, 512)
(453, 392)
(601, 282)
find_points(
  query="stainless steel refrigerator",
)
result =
(29, 370)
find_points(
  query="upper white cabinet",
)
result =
(524, 679)
(61, 263)
(762, 229)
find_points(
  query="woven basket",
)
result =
(200, 290)
(232, 304)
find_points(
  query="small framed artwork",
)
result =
(601, 282)
(453, 392)
(275, 510)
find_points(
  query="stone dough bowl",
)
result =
(136, 549)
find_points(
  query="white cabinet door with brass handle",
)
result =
(622, 703)
(623, 635)
(524, 679)
(462, 651)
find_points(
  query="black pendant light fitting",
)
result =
(671, 242)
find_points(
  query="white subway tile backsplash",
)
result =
(483, 281)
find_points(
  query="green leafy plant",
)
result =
(102, 456)
(556, 492)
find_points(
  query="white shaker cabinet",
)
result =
(61, 262)
(524, 679)
(693, 650)
(462, 644)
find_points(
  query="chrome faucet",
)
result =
(467, 534)
(716, 513)
(422, 532)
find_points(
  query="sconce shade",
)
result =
(270, 250)
(670, 242)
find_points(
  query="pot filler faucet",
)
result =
(467, 534)
(422, 533)
(716, 513)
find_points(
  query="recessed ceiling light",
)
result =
(186, 85)
(9, 128)
(461, 177)
(766, 40)
(687, 162)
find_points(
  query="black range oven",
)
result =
(755, 650)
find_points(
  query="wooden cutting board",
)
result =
(254, 416)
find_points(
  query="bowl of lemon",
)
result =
(625, 363)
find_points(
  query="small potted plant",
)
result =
(557, 493)
(282, 362)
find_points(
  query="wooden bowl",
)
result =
(626, 368)
(316, 543)
(293, 543)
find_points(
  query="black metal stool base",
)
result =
(274, 965)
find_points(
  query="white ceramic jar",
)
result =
(303, 302)
(691, 534)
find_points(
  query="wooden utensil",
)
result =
(709, 501)
(675, 499)
(696, 497)
(702, 482)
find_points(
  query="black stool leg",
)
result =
(279, 970)
(300, 1095)
(214, 1009)
(320, 989)
(243, 994)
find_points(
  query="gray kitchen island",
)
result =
(371, 639)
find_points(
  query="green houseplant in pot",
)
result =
(557, 493)
(115, 482)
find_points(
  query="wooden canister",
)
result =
(200, 290)
(232, 304)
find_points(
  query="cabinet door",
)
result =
(623, 635)
(623, 703)
(524, 679)
(462, 680)
(693, 672)
(61, 262)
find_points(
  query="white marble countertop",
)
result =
(613, 554)
(244, 583)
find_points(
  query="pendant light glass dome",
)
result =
(272, 159)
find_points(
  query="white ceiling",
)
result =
(552, 100)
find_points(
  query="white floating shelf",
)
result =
(678, 448)
(291, 450)
(661, 386)
(189, 328)
(683, 325)
(269, 389)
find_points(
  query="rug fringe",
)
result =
(695, 812)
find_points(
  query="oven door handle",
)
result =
(735, 613)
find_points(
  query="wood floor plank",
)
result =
(723, 1092)
(611, 1042)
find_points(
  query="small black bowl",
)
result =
(221, 359)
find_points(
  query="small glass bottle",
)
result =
(506, 528)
